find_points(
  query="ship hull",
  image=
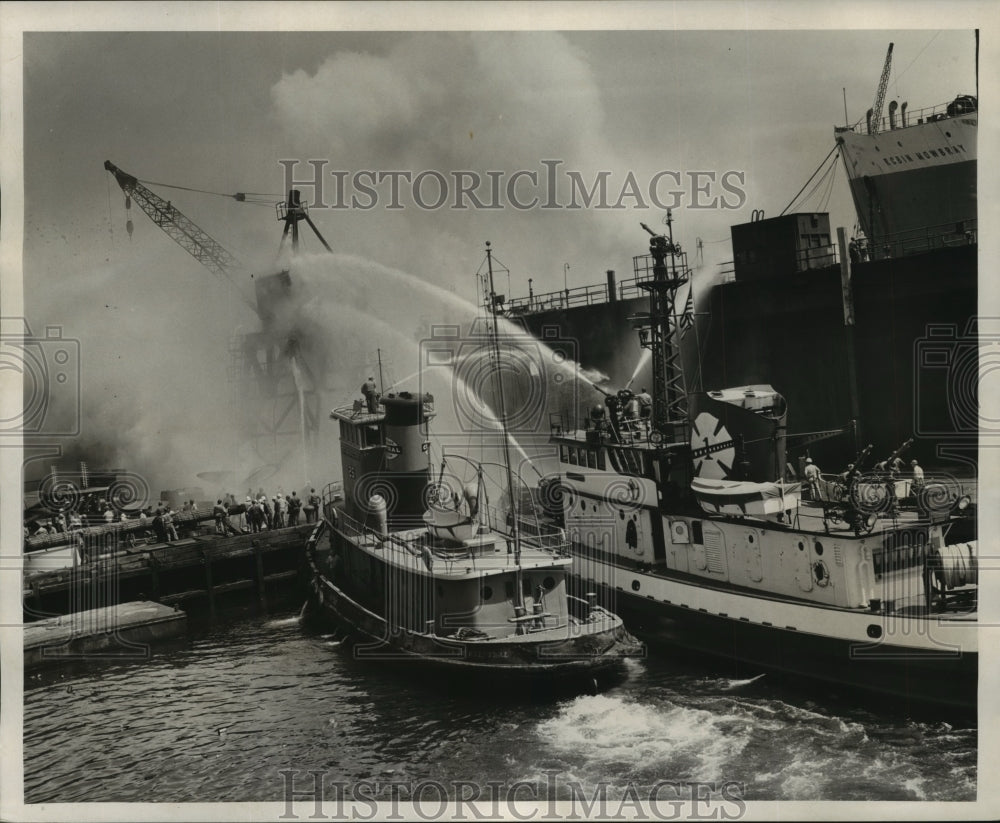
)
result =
(576, 653)
(902, 201)
(913, 329)
(574, 659)
(826, 647)
(913, 178)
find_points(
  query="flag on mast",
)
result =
(687, 318)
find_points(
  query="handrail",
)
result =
(928, 114)
(554, 543)
(589, 295)
(920, 239)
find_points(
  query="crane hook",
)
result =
(129, 226)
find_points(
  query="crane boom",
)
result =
(883, 84)
(179, 228)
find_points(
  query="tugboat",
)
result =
(685, 520)
(413, 568)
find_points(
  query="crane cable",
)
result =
(823, 163)
(825, 180)
(240, 196)
(829, 187)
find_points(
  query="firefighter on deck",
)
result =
(812, 477)
(370, 391)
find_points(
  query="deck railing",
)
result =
(554, 543)
(921, 239)
(915, 117)
(590, 295)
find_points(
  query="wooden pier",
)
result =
(197, 573)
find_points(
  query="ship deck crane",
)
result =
(875, 112)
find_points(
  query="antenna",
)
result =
(502, 417)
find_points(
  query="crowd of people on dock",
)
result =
(256, 513)
(73, 522)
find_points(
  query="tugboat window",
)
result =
(819, 548)
(549, 583)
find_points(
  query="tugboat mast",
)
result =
(502, 417)
(661, 333)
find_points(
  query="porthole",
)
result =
(635, 585)
(802, 547)
(750, 538)
(487, 592)
(549, 583)
(819, 549)
(874, 631)
(947, 134)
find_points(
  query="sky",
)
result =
(747, 115)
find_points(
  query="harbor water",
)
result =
(226, 715)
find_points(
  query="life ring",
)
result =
(821, 573)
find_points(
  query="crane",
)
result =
(875, 112)
(180, 229)
(211, 254)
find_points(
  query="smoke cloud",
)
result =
(449, 102)
(157, 385)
